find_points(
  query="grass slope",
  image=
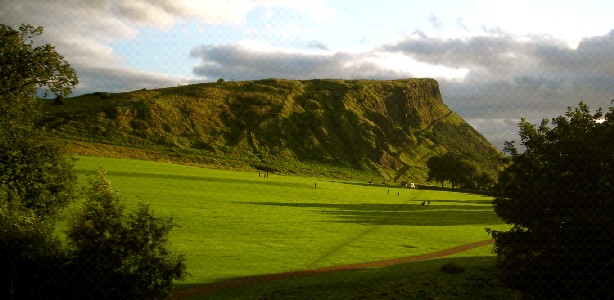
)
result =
(235, 224)
(343, 128)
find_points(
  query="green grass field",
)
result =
(234, 224)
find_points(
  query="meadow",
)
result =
(233, 223)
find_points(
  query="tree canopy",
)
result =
(123, 257)
(558, 194)
(34, 170)
(459, 170)
(26, 67)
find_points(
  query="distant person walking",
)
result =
(315, 185)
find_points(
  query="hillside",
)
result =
(343, 128)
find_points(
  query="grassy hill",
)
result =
(364, 129)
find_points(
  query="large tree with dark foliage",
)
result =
(36, 177)
(126, 257)
(459, 170)
(34, 171)
(558, 194)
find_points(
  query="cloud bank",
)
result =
(244, 62)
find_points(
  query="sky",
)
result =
(496, 61)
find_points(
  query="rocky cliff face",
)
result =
(388, 128)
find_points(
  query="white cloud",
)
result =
(403, 64)
(84, 31)
(145, 12)
(119, 79)
(565, 20)
(166, 12)
(251, 60)
(496, 130)
(256, 60)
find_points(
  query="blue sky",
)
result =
(496, 61)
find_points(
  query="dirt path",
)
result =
(218, 286)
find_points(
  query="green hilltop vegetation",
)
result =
(362, 129)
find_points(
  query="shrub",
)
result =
(118, 256)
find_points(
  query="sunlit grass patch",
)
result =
(234, 224)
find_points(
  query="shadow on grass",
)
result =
(401, 214)
(485, 203)
(415, 280)
(374, 185)
(419, 187)
(263, 181)
(456, 190)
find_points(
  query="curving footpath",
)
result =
(218, 286)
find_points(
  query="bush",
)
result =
(117, 256)
(31, 258)
(35, 172)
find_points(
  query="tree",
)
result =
(37, 181)
(485, 180)
(438, 169)
(558, 195)
(34, 170)
(26, 67)
(36, 177)
(463, 172)
(118, 256)
(31, 257)
(455, 168)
